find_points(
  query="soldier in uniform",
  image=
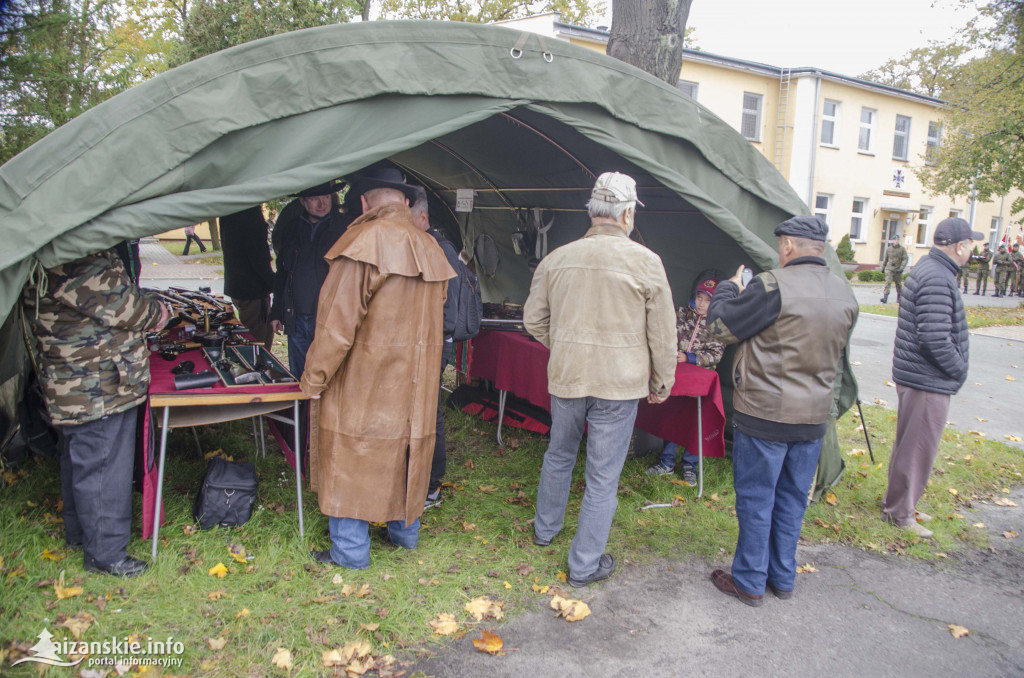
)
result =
(1004, 270)
(88, 321)
(962, 274)
(895, 261)
(981, 286)
(1018, 274)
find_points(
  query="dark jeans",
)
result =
(96, 484)
(771, 480)
(440, 461)
(300, 336)
(189, 237)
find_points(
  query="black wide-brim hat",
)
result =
(384, 177)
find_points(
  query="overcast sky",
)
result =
(844, 36)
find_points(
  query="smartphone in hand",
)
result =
(746, 276)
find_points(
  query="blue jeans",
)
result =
(771, 480)
(611, 427)
(300, 336)
(350, 539)
(668, 456)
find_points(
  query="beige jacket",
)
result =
(375, 360)
(603, 306)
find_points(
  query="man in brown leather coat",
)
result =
(373, 365)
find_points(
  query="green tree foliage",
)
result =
(577, 12)
(213, 25)
(57, 59)
(844, 250)
(982, 149)
(925, 70)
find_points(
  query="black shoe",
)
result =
(605, 568)
(539, 541)
(781, 594)
(73, 545)
(977, 293)
(323, 557)
(126, 567)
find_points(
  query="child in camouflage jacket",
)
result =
(697, 347)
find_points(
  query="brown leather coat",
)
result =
(375, 360)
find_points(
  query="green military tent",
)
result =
(525, 121)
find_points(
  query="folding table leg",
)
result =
(263, 439)
(700, 450)
(501, 413)
(298, 465)
(199, 448)
(160, 481)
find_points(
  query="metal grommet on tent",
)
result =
(548, 57)
(516, 52)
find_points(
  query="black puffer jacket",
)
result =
(931, 337)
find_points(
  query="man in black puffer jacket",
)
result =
(929, 365)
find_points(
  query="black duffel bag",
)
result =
(227, 495)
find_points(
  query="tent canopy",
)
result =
(527, 122)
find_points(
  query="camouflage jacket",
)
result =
(895, 258)
(695, 340)
(1002, 262)
(1017, 259)
(89, 338)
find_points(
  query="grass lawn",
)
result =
(215, 257)
(977, 316)
(477, 543)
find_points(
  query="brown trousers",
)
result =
(255, 314)
(920, 420)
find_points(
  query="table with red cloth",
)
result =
(693, 416)
(201, 406)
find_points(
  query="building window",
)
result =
(751, 125)
(688, 88)
(955, 213)
(901, 138)
(860, 206)
(823, 206)
(924, 219)
(934, 141)
(993, 237)
(866, 140)
(830, 124)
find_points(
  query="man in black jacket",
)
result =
(301, 269)
(929, 365)
(248, 277)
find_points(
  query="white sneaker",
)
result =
(918, 530)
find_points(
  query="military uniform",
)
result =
(88, 322)
(1004, 270)
(1017, 283)
(695, 341)
(895, 261)
(981, 286)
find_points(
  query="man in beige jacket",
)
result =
(603, 306)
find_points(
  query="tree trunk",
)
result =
(214, 233)
(649, 35)
(366, 10)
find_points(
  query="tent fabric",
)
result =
(527, 122)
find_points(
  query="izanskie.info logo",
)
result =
(110, 652)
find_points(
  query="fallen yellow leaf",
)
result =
(483, 607)
(445, 624)
(980, 526)
(47, 554)
(507, 585)
(364, 591)
(237, 551)
(61, 590)
(189, 530)
(1009, 378)
(356, 649)
(337, 580)
(1011, 534)
(1012, 438)
(831, 498)
(487, 489)
(217, 643)
(713, 497)
(331, 658)
(217, 595)
(561, 576)
(856, 452)
(468, 527)
(78, 623)
(488, 642)
(347, 590)
(540, 589)
(879, 401)
(977, 433)
(219, 570)
(806, 569)
(958, 631)
(282, 659)
(571, 610)
(359, 667)
(370, 627)
(1003, 501)
(953, 491)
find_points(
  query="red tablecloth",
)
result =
(519, 365)
(162, 383)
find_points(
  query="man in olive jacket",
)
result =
(88, 322)
(602, 304)
(792, 325)
(929, 364)
(895, 261)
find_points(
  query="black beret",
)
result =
(804, 226)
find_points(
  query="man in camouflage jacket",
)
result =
(895, 261)
(88, 321)
(1018, 273)
(1004, 271)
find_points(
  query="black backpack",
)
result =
(227, 495)
(469, 303)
